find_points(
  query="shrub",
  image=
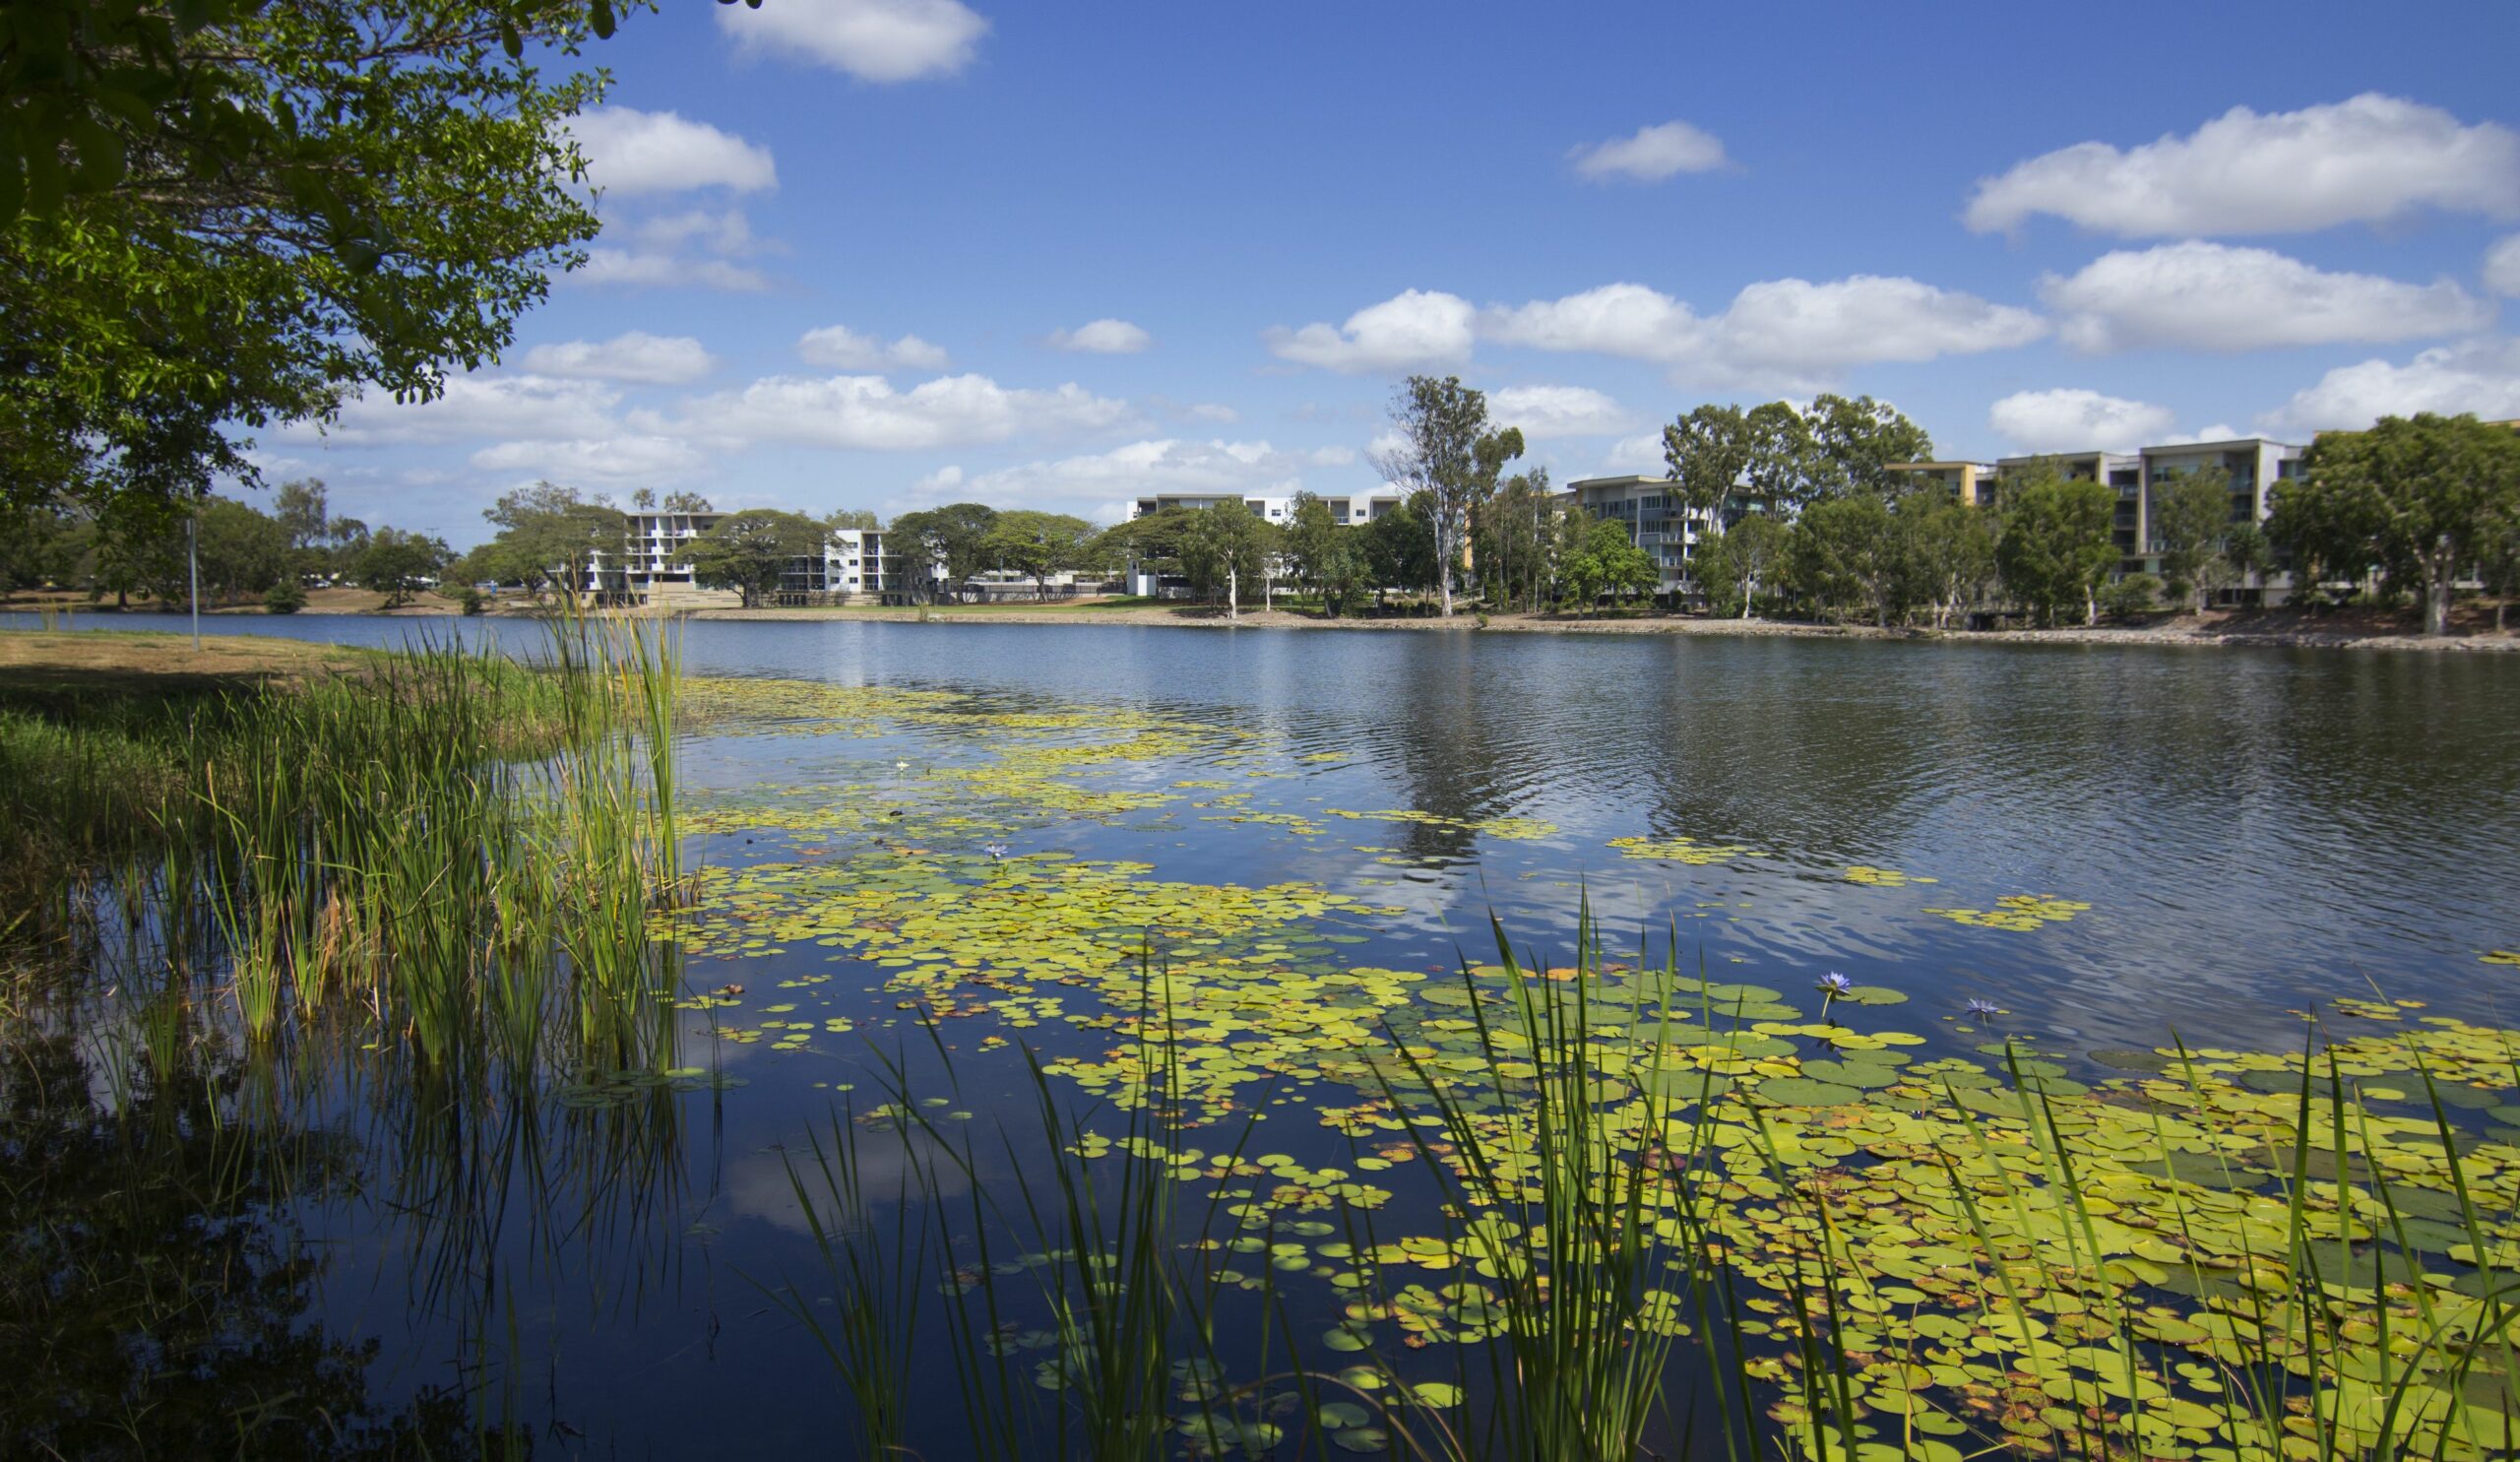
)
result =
(470, 599)
(2130, 596)
(285, 598)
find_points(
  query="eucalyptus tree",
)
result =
(1445, 451)
(2420, 498)
(2054, 549)
(2190, 516)
(1854, 443)
(1708, 450)
(1734, 563)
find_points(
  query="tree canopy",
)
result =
(750, 550)
(217, 216)
(2419, 497)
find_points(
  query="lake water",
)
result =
(2254, 832)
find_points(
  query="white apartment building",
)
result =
(654, 567)
(2254, 464)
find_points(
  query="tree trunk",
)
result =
(1233, 594)
(2436, 601)
(2091, 606)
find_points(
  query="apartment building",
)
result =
(1973, 483)
(1351, 509)
(1657, 520)
(654, 567)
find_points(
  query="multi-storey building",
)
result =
(654, 567)
(1354, 508)
(1973, 483)
(1657, 522)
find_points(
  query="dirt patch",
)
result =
(86, 665)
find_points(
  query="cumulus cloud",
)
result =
(1544, 412)
(634, 269)
(629, 460)
(630, 152)
(1103, 338)
(2078, 421)
(2479, 375)
(531, 408)
(844, 349)
(1651, 155)
(1775, 334)
(2362, 160)
(2213, 296)
(876, 40)
(2503, 267)
(1412, 329)
(650, 359)
(1636, 456)
(867, 413)
(1169, 465)
(718, 232)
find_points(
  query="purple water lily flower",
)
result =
(1834, 985)
(1983, 1010)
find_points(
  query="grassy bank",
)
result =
(464, 848)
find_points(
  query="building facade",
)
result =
(653, 567)
(1657, 522)
(1349, 509)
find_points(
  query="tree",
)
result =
(643, 500)
(2417, 495)
(1846, 551)
(1227, 546)
(1624, 568)
(2190, 514)
(2247, 550)
(1400, 549)
(1446, 453)
(240, 550)
(396, 564)
(1511, 539)
(2130, 596)
(1731, 565)
(860, 519)
(274, 204)
(1856, 442)
(2054, 549)
(1708, 450)
(749, 551)
(301, 508)
(686, 502)
(1039, 544)
(952, 541)
(1947, 547)
(1782, 456)
(549, 537)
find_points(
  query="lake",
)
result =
(2199, 845)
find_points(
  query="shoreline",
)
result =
(2243, 632)
(2179, 636)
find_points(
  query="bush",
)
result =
(2130, 596)
(471, 599)
(285, 598)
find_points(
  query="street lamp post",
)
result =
(192, 557)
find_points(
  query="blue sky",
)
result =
(888, 253)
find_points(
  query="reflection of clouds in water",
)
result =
(760, 1186)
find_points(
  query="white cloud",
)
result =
(2363, 161)
(876, 40)
(2078, 421)
(636, 269)
(865, 413)
(653, 359)
(1544, 412)
(1776, 334)
(2213, 296)
(844, 349)
(630, 460)
(1651, 155)
(1140, 467)
(727, 232)
(1103, 338)
(523, 407)
(1412, 329)
(630, 151)
(2476, 375)
(2503, 267)
(1636, 456)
